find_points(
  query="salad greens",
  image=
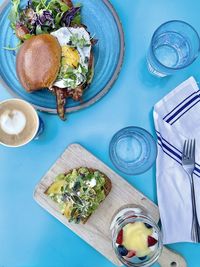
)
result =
(76, 41)
(42, 16)
(78, 193)
(14, 14)
(72, 76)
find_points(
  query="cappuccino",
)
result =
(19, 122)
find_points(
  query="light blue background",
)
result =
(29, 236)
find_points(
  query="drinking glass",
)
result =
(174, 46)
(129, 214)
(133, 150)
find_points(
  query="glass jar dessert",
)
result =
(136, 238)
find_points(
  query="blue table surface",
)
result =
(29, 236)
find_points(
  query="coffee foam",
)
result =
(18, 122)
(13, 121)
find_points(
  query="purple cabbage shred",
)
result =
(45, 19)
(69, 15)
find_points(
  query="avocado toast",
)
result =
(79, 192)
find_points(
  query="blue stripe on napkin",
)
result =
(173, 152)
(183, 108)
(185, 111)
(167, 153)
(180, 152)
(179, 105)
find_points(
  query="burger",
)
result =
(61, 61)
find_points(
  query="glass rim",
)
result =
(113, 142)
(146, 219)
(181, 22)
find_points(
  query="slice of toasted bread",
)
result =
(57, 185)
(107, 187)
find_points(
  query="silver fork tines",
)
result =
(189, 152)
(188, 162)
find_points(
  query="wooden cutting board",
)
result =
(98, 225)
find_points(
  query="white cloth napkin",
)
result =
(176, 118)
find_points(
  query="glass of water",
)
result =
(132, 150)
(174, 46)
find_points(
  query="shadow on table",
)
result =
(153, 132)
(149, 79)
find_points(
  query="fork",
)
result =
(188, 162)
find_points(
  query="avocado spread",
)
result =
(78, 193)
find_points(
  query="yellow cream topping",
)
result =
(135, 236)
(68, 209)
(70, 56)
(55, 188)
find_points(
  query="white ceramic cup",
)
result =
(39, 124)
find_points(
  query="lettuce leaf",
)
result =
(14, 13)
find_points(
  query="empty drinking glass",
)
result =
(174, 45)
(133, 150)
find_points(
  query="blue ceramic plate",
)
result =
(103, 22)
